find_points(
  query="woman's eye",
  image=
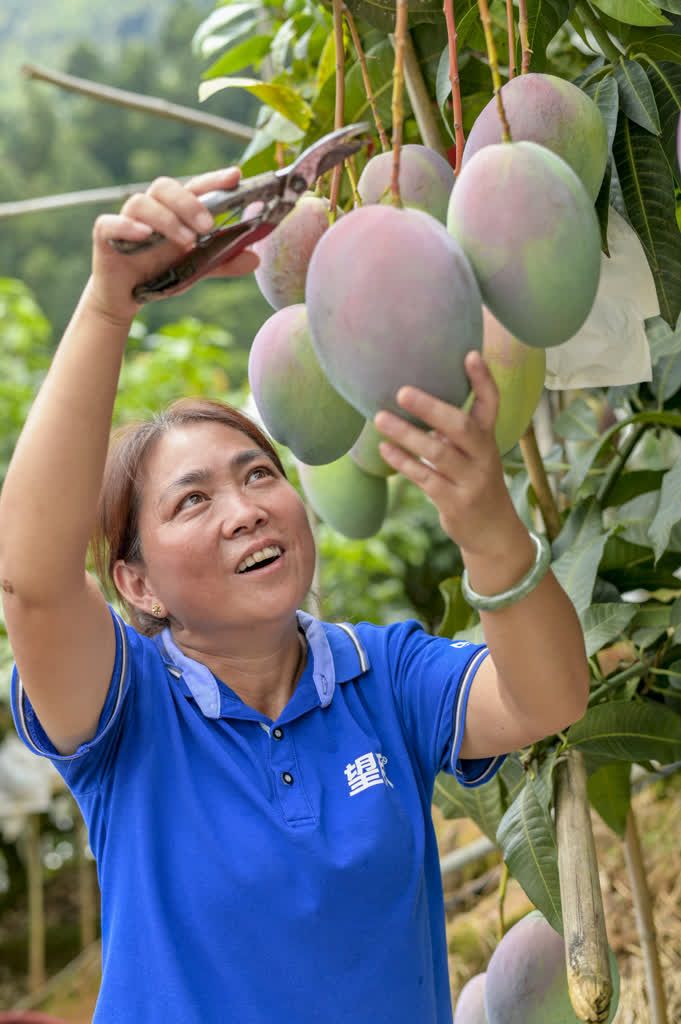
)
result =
(260, 472)
(190, 499)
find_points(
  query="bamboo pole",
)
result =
(36, 905)
(640, 894)
(135, 101)
(586, 946)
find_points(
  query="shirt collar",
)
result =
(337, 653)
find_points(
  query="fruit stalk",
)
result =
(402, 14)
(540, 482)
(494, 67)
(640, 895)
(586, 944)
(510, 28)
(340, 96)
(368, 89)
(457, 109)
(523, 29)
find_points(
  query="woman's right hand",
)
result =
(174, 210)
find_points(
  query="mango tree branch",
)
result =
(339, 113)
(361, 57)
(145, 104)
(540, 483)
(65, 200)
(640, 895)
(402, 14)
(420, 100)
(457, 108)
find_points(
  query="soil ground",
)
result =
(472, 919)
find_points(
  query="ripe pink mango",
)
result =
(345, 497)
(553, 113)
(366, 454)
(519, 372)
(526, 981)
(470, 1006)
(426, 180)
(392, 300)
(285, 253)
(529, 229)
(297, 403)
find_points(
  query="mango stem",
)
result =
(368, 89)
(510, 30)
(457, 109)
(493, 60)
(340, 97)
(523, 29)
(398, 97)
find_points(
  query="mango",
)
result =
(526, 980)
(470, 1006)
(519, 373)
(366, 454)
(392, 300)
(426, 180)
(345, 497)
(554, 113)
(285, 253)
(529, 229)
(296, 402)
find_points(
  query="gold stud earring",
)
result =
(157, 610)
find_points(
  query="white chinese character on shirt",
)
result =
(365, 771)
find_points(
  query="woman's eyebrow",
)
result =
(204, 475)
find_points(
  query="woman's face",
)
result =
(225, 538)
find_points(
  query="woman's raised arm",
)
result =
(59, 627)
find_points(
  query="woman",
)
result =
(257, 784)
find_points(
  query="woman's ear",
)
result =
(131, 583)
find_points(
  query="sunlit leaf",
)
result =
(609, 791)
(243, 55)
(482, 804)
(605, 94)
(668, 512)
(281, 98)
(632, 12)
(208, 38)
(579, 422)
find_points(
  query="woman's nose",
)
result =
(242, 515)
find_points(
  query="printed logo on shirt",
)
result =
(460, 643)
(366, 771)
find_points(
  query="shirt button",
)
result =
(277, 733)
(287, 778)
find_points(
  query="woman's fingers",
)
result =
(171, 210)
(486, 404)
(224, 179)
(113, 225)
(436, 449)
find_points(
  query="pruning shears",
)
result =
(275, 192)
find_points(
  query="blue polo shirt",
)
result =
(256, 871)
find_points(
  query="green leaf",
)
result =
(579, 422)
(660, 46)
(630, 566)
(636, 517)
(636, 95)
(632, 12)
(327, 61)
(630, 485)
(665, 79)
(668, 510)
(527, 839)
(281, 98)
(583, 524)
(482, 804)
(381, 13)
(663, 340)
(581, 542)
(603, 623)
(609, 790)
(513, 777)
(628, 731)
(605, 94)
(545, 18)
(648, 190)
(244, 55)
(457, 614)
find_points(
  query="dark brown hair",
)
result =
(116, 535)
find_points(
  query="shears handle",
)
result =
(263, 187)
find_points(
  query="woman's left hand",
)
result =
(457, 463)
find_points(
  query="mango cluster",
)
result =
(506, 260)
(526, 980)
